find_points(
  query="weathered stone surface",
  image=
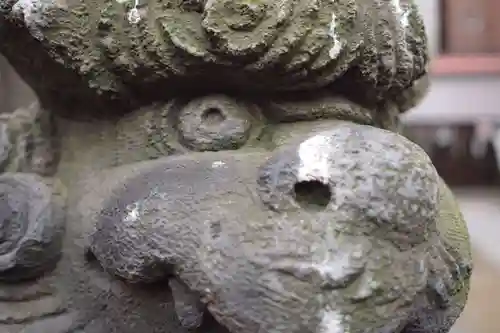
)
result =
(28, 141)
(240, 157)
(378, 47)
(34, 307)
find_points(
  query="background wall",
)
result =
(454, 98)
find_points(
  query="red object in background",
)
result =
(455, 161)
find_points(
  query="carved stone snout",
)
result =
(300, 240)
(360, 174)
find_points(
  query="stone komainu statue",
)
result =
(222, 166)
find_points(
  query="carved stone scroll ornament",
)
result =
(230, 166)
(32, 219)
(378, 47)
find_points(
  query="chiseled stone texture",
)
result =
(378, 47)
(223, 166)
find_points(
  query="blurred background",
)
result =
(458, 124)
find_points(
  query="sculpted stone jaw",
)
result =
(335, 265)
(321, 153)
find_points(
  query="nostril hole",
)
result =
(215, 229)
(312, 195)
(89, 255)
(213, 116)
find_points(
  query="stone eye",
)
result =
(193, 5)
(214, 123)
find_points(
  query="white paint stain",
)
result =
(337, 43)
(32, 12)
(402, 14)
(332, 322)
(209, 4)
(334, 270)
(281, 4)
(27, 7)
(364, 291)
(134, 16)
(314, 155)
(218, 164)
(132, 213)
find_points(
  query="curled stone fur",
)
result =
(377, 46)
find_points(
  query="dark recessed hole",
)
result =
(312, 194)
(215, 229)
(89, 255)
(192, 5)
(213, 116)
